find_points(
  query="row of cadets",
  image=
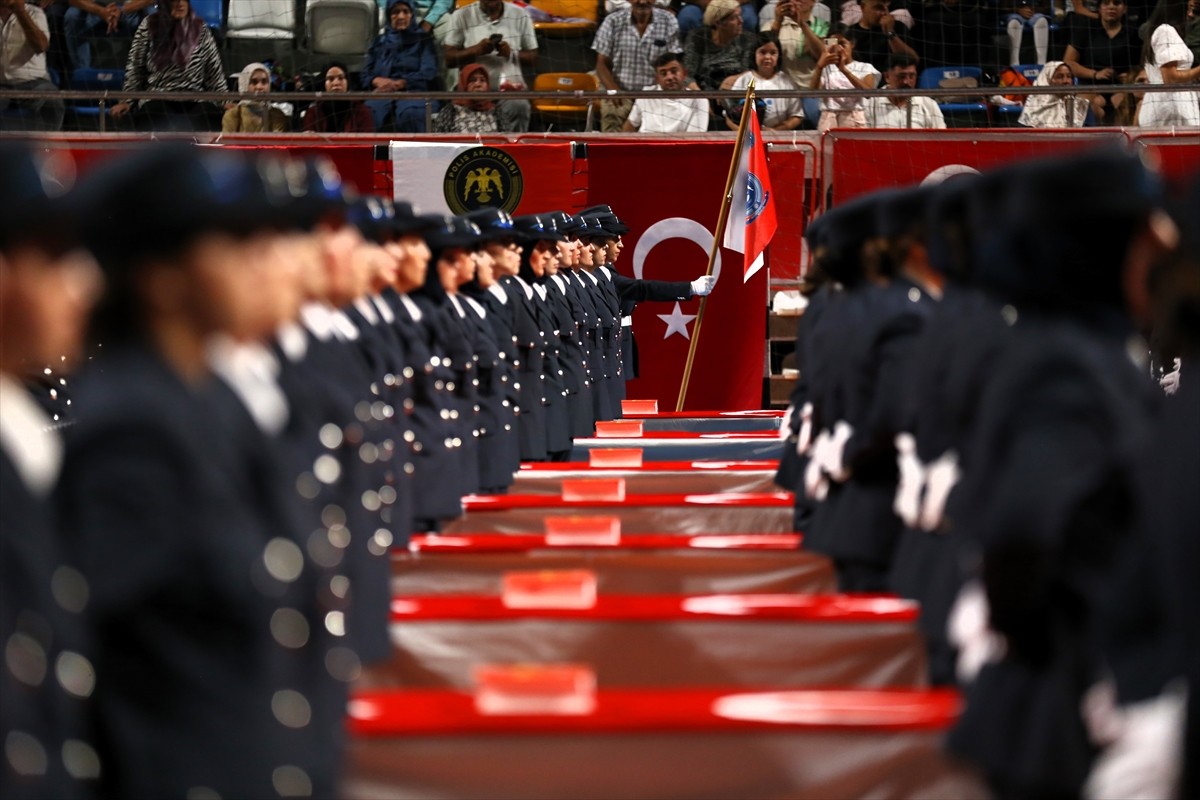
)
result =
(217, 617)
(1056, 485)
(47, 289)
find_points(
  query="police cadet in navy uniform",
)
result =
(568, 327)
(1152, 638)
(603, 295)
(877, 358)
(962, 336)
(850, 232)
(47, 288)
(796, 430)
(430, 431)
(583, 297)
(451, 244)
(499, 457)
(631, 291)
(197, 603)
(540, 256)
(1063, 427)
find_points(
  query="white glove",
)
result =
(907, 504)
(967, 629)
(1145, 759)
(1170, 381)
(834, 463)
(804, 437)
(940, 478)
(816, 484)
(703, 285)
(785, 427)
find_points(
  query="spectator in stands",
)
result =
(24, 39)
(1191, 34)
(467, 115)
(499, 35)
(837, 69)
(173, 51)
(401, 59)
(1106, 51)
(1169, 61)
(717, 53)
(879, 34)
(801, 33)
(1026, 16)
(902, 112)
(1054, 110)
(338, 116)
(781, 113)
(434, 16)
(955, 33)
(665, 115)
(691, 16)
(254, 116)
(87, 18)
(626, 45)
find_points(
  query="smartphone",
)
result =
(831, 42)
(497, 38)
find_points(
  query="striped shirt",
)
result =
(633, 54)
(203, 72)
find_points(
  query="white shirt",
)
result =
(18, 61)
(832, 78)
(669, 115)
(883, 113)
(1169, 108)
(779, 109)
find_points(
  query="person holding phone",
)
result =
(472, 39)
(800, 33)
(837, 69)
(626, 45)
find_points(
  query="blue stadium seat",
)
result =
(93, 79)
(1007, 115)
(211, 11)
(959, 115)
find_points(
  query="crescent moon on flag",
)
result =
(673, 228)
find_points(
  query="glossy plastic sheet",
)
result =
(692, 519)
(690, 448)
(644, 481)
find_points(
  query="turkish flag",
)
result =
(670, 196)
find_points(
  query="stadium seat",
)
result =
(570, 17)
(212, 12)
(261, 19)
(341, 27)
(92, 79)
(560, 109)
(1006, 116)
(959, 115)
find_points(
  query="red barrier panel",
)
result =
(505, 502)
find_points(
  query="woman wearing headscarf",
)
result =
(254, 116)
(173, 51)
(467, 115)
(338, 116)
(1054, 110)
(401, 59)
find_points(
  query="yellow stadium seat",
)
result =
(567, 110)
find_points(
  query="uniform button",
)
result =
(327, 469)
(331, 436)
(283, 559)
(70, 589)
(408, 372)
(408, 405)
(439, 385)
(81, 760)
(291, 781)
(339, 585)
(202, 793)
(450, 386)
(410, 437)
(75, 673)
(25, 754)
(289, 628)
(436, 361)
(335, 623)
(381, 542)
(371, 500)
(343, 664)
(25, 659)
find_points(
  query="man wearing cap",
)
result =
(47, 288)
(24, 40)
(626, 44)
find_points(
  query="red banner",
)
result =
(670, 196)
(857, 162)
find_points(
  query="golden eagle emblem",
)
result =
(482, 180)
(482, 177)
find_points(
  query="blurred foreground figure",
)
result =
(1055, 492)
(47, 288)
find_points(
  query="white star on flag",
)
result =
(677, 322)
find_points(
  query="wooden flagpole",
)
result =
(718, 237)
